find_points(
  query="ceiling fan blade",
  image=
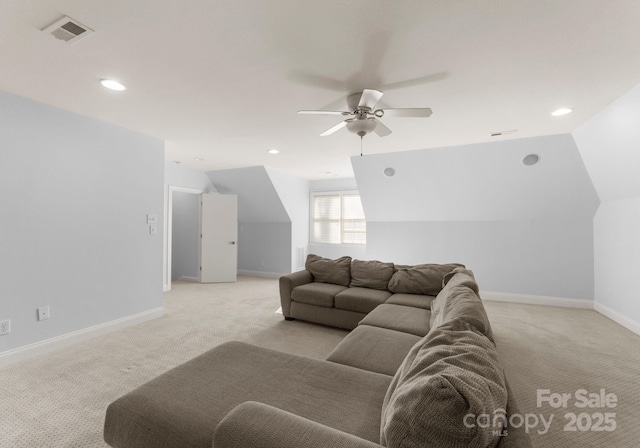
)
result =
(334, 129)
(415, 81)
(323, 112)
(381, 129)
(369, 98)
(408, 112)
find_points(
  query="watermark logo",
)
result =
(594, 417)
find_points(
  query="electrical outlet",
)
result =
(43, 313)
(5, 327)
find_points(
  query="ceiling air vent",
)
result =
(68, 30)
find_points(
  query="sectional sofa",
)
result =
(406, 376)
(342, 292)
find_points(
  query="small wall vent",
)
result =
(68, 30)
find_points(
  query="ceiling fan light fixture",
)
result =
(362, 127)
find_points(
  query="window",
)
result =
(337, 218)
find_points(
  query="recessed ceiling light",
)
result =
(561, 111)
(198, 159)
(273, 151)
(112, 84)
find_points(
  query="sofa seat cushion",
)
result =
(182, 407)
(362, 300)
(374, 349)
(371, 274)
(451, 373)
(414, 300)
(318, 294)
(400, 318)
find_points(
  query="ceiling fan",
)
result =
(364, 116)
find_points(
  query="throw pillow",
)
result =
(425, 279)
(371, 274)
(325, 270)
(451, 374)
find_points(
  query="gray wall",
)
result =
(525, 230)
(74, 236)
(610, 146)
(264, 227)
(264, 247)
(185, 242)
(294, 195)
(542, 258)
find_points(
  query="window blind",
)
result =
(338, 219)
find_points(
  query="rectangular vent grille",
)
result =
(68, 30)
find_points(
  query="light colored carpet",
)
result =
(59, 399)
(564, 350)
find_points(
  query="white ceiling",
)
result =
(222, 80)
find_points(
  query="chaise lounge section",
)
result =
(404, 377)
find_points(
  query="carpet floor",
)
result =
(59, 399)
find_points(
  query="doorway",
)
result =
(183, 234)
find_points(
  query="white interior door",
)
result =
(219, 235)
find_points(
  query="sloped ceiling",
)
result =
(258, 200)
(478, 183)
(610, 146)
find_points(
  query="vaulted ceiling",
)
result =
(222, 80)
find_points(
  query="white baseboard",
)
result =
(261, 274)
(184, 278)
(66, 340)
(536, 300)
(564, 302)
(618, 318)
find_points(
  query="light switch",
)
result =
(152, 219)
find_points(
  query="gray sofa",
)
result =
(404, 377)
(341, 292)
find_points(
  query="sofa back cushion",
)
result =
(371, 274)
(425, 279)
(459, 299)
(325, 270)
(452, 373)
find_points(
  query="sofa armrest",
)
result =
(257, 425)
(287, 283)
